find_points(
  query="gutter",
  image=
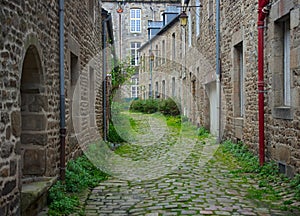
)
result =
(104, 38)
(263, 10)
(62, 93)
(218, 70)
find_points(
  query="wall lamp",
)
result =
(152, 56)
(183, 19)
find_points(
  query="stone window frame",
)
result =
(281, 109)
(239, 68)
(238, 80)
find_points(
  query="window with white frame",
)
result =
(134, 88)
(134, 46)
(135, 20)
(197, 14)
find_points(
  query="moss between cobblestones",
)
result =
(272, 186)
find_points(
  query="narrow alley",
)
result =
(203, 183)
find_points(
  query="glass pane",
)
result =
(132, 23)
(138, 13)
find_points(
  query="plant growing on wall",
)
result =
(120, 74)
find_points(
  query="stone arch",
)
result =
(34, 106)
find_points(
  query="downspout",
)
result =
(62, 93)
(104, 76)
(262, 12)
(218, 69)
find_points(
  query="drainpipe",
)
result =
(104, 29)
(62, 93)
(218, 69)
(263, 9)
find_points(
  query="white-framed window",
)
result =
(135, 20)
(134, 88)
(134, 46)
(197, 3)
(286, 64)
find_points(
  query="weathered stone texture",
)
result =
(29, 87)
(238, 26)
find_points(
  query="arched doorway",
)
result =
(34, 105)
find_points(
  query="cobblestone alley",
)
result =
(194, 187)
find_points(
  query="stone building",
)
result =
(239, 71)
(130, 23)
(30, 94)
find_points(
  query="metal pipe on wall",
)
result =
(62, 93)
(262, 12)
(218, 70)
(104, 38)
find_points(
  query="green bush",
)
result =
(166, 107)
(151, 106)
(169, 107)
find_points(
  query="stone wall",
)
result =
(29, 88)
(239, 94)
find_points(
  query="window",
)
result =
(156, 90)
(190, 29)
(157, 57)
(197, 14)
(286, 64)
(164, 89)
(173, 87)
(163, 46)
(281, 70)
(134, 46)
(173, 46)
(134, 88)
(135, 20)
(239, 80)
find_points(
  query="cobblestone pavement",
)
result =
(191, 188)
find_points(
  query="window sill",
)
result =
(282, 112)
